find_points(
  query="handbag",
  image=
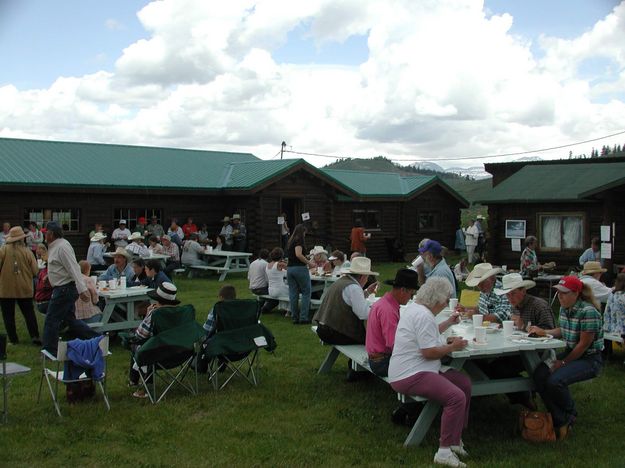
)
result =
(536, 426)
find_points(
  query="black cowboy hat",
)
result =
(405, 278)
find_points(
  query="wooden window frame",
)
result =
(560, 214)
(362, 214)
(133, 214)
(438, 215)
(47, 214)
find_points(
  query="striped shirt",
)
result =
(491, 303)
(582, 317)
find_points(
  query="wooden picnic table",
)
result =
(125, 299)
(321, 283)
(224, 261)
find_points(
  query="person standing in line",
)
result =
(68, 285)
(284, 231)
(358, 238)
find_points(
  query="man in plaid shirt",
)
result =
(494, 308)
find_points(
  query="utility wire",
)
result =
(518, 153)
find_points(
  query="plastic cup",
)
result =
(94, 279)
(477, 320)
(102, 284)
(320, 271)
(504, 268)
(453, 303)
(480, 335)
(113, 284)
(508, 327)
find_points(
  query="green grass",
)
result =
(293, 418)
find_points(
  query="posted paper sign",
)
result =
(606, 250)
(305, 216)
(516, 245)
(280, 220)
(605, 234)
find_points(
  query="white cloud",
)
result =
(443, 78)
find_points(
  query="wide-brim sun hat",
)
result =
(123, 252)
(593, 267)
(480, 272)
(98, 236)
(16, 233)
(513, 281)
(165, 294)
(135, 235)
(360, 266)
(318, 249)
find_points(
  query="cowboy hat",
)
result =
(318, 250)
(165, 294)
(135, 235)
(513, 281)
(123, 252)
(226, 219)
(480, 272)
(593, 267)
(15, 234)
(480, 217)
(98, 236)
(405, 278)
(360, 266)
(236, 216)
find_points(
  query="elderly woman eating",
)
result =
(415, 367)
(581, 329)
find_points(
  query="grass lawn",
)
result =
(293, 418)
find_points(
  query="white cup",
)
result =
(453, 303)
(504, 268)
(94, 279)
(508, 327)
(209, 249)
(480, 335)
(102, 284)
(477, 320)
(113, 284)
(320, 271)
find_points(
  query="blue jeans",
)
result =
(554, 387)
(61, 309)
(298, 279)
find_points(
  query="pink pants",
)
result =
(452, 390)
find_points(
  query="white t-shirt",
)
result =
(416, 330)
(277, 285)
(257, 274)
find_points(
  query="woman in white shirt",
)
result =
(415, 367)
(276, 278)
(192, 252)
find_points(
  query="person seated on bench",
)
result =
(139, 277)
(383, 318)
(171, 249)
(226, 293)
(318, 259)
(276, 278)
(257, 274)
(344, 306)
(614, 316)
(338, 263)
(580, 328)
(120, 267)
(591, 275)
(494, 308)
(415, 367)
(154, 277)
(192, 252)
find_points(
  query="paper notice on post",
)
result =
(606, 250)
(280, 220)
(516, 245)
(605, 234)
(305, 216)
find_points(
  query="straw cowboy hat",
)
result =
(15, 234)
(135, 235)
(226, 219)
(123, 252)
(513, 281)
(480, 272)
(98, 236)
(593, 267)
(165, 294)
(318, 250)
(360, 266)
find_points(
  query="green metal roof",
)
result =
(249, 174)
(558, 182)
(34, 162)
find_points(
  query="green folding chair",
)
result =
(233, 350)
(168, 354)
(9, 370)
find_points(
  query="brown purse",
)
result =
(536, 426)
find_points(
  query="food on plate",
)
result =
(486, 323)
(534, 335)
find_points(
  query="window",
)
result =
(68, 218)
(561, 231)
(131, 215)
(371, 219)
(428, 221)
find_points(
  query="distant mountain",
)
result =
(474, 172)
(428, 166)
(529, 159)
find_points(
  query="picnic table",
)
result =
(320, 283)
(482, 385)
(126, 300)
(144, 257)
(224, 261)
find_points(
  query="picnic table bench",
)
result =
(285, 301)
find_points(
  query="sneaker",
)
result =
(459, 450)
(140, 394)
(448, 460)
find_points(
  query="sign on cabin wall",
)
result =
(515, 228)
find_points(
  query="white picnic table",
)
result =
(144, 257)
(321, 283)
(497, 346)
(125, 299)
(224, 261)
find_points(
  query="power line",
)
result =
(518, 153)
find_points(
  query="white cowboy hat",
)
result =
(135, 235)
(480, 272)
(318, 250)
(360, 266)
(236, 216)
(123, 252)
(98, 236)
(513, 281)
(226, 219)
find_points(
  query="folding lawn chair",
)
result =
(236, 343)
(168, 354)
(8, 370)
(58, 374)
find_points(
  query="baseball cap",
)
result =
(570, 284)
(431, 246)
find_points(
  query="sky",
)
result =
(447, 81)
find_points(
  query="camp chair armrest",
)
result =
(48, 355)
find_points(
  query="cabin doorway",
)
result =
(292, 207)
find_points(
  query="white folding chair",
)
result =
(57, 376)
(8, 370)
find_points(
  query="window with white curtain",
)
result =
(561, 231)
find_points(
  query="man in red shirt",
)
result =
(189, 228)
(358, 238)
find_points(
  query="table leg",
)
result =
(329, 361)
(531, 360)
(226, 268)
(423, 423)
